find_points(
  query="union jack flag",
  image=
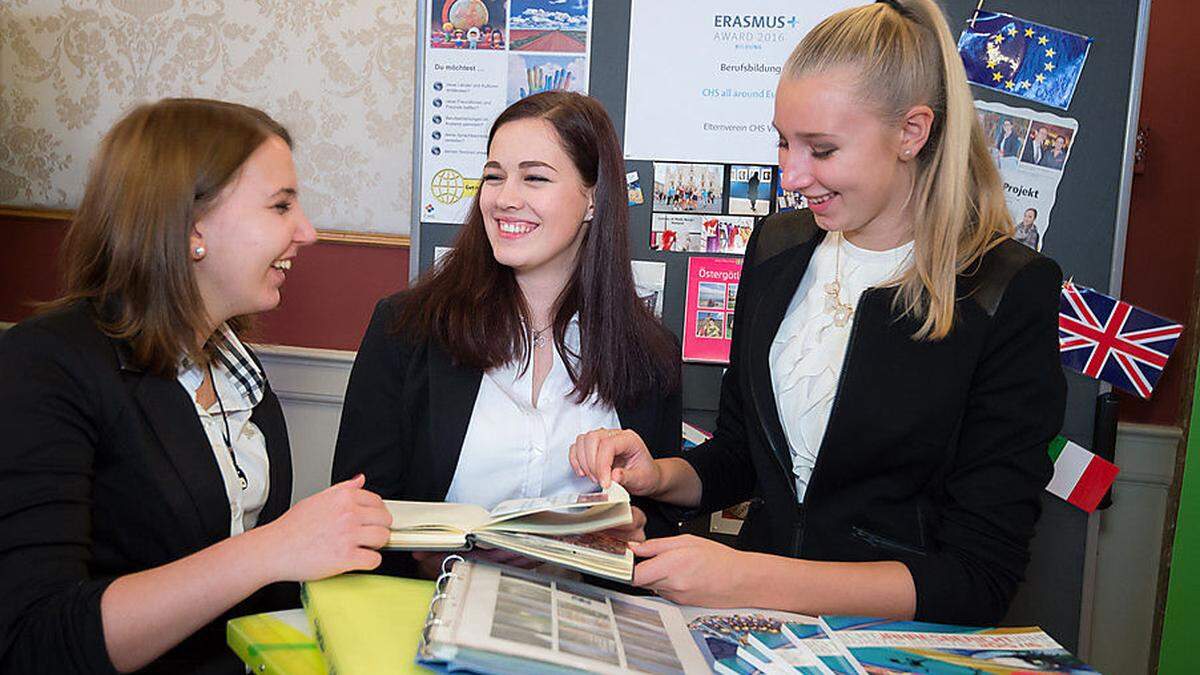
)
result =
(1112, 340)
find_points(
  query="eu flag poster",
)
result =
(1023, 58)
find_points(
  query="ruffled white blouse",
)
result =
(809, 348)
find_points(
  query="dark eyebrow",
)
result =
(527, 164)
(286, 192)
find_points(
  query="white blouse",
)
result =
(808, 351)
(514, 449)
(249, 445)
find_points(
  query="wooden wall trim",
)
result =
(329, 236)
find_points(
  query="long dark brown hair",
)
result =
(158, 170)
(472, 306)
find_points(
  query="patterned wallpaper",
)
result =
(337, 73)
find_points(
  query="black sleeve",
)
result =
(723, 462)
(372, 438)
(665, 442)
(50, 613)
(992, 492)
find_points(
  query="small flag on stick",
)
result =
(1009, 54)
(1080, 477)
(1112, 340)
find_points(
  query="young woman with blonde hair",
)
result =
(894, 377)
(145, 475)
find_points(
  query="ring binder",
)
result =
(440, 593)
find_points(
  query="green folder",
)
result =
(368, 624)
(276, 643)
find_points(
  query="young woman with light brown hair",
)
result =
(145, 475)
(894, 377)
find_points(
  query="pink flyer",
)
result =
(708, 315)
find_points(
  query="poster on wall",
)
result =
(702, 76)
(712, 285)
(1031, 149)
(480, 56)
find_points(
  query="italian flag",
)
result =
(1079, 476)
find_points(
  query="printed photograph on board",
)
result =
(684, 188)
(559, 26)
(534, 73)
(467, 24)
(700, 234)
(750, 189)
(1048, 146)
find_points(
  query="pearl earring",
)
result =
(198, 252)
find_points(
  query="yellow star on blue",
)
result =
(997, 38)
(1025, 84)
(1012, 30)
(1028, 32)
(1009, 85)
(1043, 40)
(1049, 53)
(1050, 67)
(997, 77)
(1040, 78)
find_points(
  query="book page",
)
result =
(523, 614)
(442, 516)
(563, 503)
(595, 552)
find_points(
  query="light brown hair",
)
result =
(905, 56)
(161, 168)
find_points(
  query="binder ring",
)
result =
(448, 562)
(429, 623)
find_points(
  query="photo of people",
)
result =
(1048, 146)
(700, 234)
(1005, 134)
(534, 73)
(712, 295)
(710, 325)
(750, 189)
(787, 200)
(1026, 230)
(688, 187)
(731, 297)
(467, 24)
(549, 25)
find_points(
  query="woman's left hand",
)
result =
(691, 570)
(635, 531)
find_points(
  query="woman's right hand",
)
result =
(336, 530)
(606, 455)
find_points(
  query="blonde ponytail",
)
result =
(906, 56)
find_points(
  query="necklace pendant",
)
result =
(841, 316)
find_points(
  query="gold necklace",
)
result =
(833, 291)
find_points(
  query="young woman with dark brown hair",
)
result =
(470, 386)
(145, 476)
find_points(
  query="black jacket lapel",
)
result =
(268, 417)
(779, 276)
(173, 418)
(452, 393)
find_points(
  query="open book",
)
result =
(564, 529)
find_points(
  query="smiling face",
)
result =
(533, 202)
(840, 154)
(251, 235)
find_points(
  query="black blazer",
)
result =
(105, 471)
(406, 414)
(935, 453)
